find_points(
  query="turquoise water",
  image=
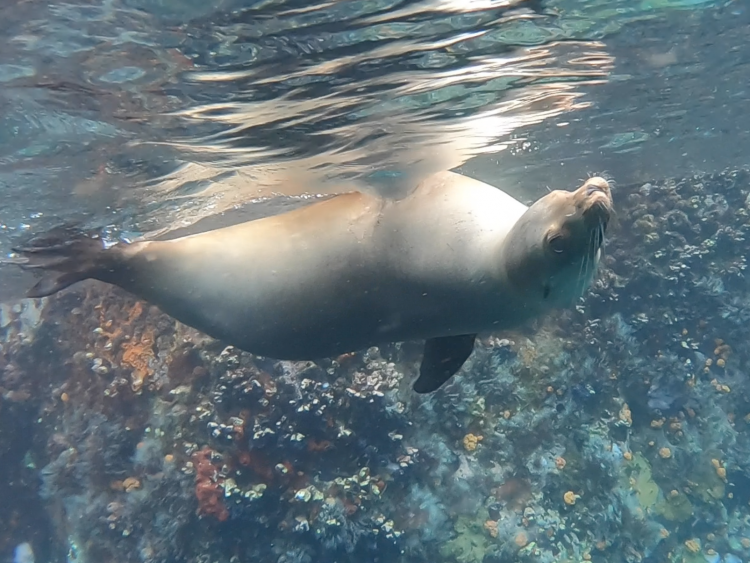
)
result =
(613, 431)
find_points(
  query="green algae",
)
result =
(471, 542)
(675, 508)
(638, 471)
(684, 555)
(710, 487)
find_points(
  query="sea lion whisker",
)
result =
(587, 275)
(584, 267)
(581, 272)
(596, 240)
(597, 243)
(581, 280)
(590, 255)
(588, 261)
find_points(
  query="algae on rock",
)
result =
(639, 474)
(471, 542)
(675, 508)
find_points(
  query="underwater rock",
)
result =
(153, 443)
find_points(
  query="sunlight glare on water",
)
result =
(147, 116)
(315, 106)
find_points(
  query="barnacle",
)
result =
(471, 441)
(131, 484)
(625, 415)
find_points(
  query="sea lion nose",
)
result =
(596, 184)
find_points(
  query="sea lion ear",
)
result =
(442, 358)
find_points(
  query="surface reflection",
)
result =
(399, 126)
(149, 115)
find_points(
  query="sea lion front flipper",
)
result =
(442, 358)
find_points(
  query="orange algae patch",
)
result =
(137, 355)
(137, 350)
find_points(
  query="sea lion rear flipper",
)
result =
(73, 256)
(442, 358)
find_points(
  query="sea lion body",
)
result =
(354, 271)
(341, 274)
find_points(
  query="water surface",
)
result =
(147, 116)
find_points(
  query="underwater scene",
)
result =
(374, 281)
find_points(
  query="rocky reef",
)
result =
(616, 431)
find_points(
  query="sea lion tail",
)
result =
(64, 257)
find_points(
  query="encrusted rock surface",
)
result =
(616, 431)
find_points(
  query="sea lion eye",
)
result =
(557, 243)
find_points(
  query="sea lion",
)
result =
(454, 258)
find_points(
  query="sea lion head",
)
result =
(552, 252)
